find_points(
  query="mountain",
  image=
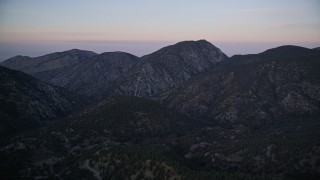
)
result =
(26, 102)
(246, 117)
(277, 84)
(166, 69)
(47, 62)
(91, 77)
(317, 48)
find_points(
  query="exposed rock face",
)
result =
(277, 84)
(47, 62)
(94, 76)
(26, 102)
(166, 69)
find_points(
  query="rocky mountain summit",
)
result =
(166, 69)
(26, 102)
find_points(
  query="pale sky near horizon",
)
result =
(37, 27)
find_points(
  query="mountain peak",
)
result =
(117, 57)
(198, 42)
(203, 41)
(20, 56)
(194, 48)
(17, 58)
(79, 51)
(287, 47)
(166, 69)
(74, 51)
(287, 51)
(116, 53)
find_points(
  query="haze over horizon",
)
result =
(35, 27)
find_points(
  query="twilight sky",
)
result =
(37, 27)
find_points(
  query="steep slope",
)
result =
(166, 69)
(277, 84)
(94, 76)
(26, 102)
(47, 62)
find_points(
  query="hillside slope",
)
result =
(26, 102)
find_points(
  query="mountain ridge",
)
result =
(47, 62)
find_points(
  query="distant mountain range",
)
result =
(186, 111)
